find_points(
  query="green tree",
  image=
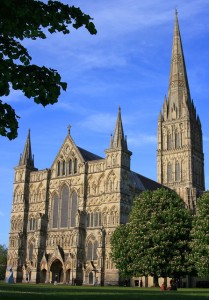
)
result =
(29, 19)
(3, 261)
(158, 236)
(120, 250)
(200, 236)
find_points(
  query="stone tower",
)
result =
(180, 158)
(19, 215)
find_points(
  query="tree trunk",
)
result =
(155, 281)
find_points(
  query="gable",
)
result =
(68, 151)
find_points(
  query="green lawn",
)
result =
(46, 292)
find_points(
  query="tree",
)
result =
(3, 261)
(157, 236)
(200, 236)
(22, 19)
(120, 250)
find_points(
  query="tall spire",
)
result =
(26, 158)
(178, 84)
(119, 140)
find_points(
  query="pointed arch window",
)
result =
(58, 168)
(75, 166)
(169, 172)
(177, 171)
(92, 220)
(177, 140)
(55, 212)
(88, 220)
(64, 207)
(169, 141)
(70, 166)
(95, 256)
(96, 219)
(63, 167)
(30, 256)
(89, 250)
(92, 250)
(32, 224)
(74, 207)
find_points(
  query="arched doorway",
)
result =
(57, 271)
(91, 278)
(43, 276)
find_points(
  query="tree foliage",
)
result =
(121, 250)
(157, 236)
(29, 19)
(200, 236)
(3, 261)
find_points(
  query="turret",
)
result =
(26, 159)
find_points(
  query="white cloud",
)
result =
(99, 122)
(138, 140)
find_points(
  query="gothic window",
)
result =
(74, 205)
(169, 142)
(104, 218)
(99, 219)
(63, 167)
(88, 220)
(177, 171)
(55, 212)
(64, 207)
(177, 139)
(89, 250)
(92, 250)
(92, 220)
(70, 166)
(95, 256)
(75, 165)
(58, 168)
(32, 224)
(169, 173)
(30, 252)
(95, 219)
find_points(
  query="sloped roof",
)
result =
(88, 156)
(143, 183)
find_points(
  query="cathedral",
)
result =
(62, 217)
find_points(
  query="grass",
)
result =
(61, 292)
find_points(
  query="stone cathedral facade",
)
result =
(62, 217)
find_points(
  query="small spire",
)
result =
(69, 128)
(26, 158)
(118, 138)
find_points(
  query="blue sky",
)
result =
(126, 64)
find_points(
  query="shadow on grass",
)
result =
(46, 292)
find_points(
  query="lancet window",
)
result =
(92, 250)
(177, 140)
(177, 171)
(67, 167)
(30, 256)
(169, 172)
(169, 141)
(64, 209)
